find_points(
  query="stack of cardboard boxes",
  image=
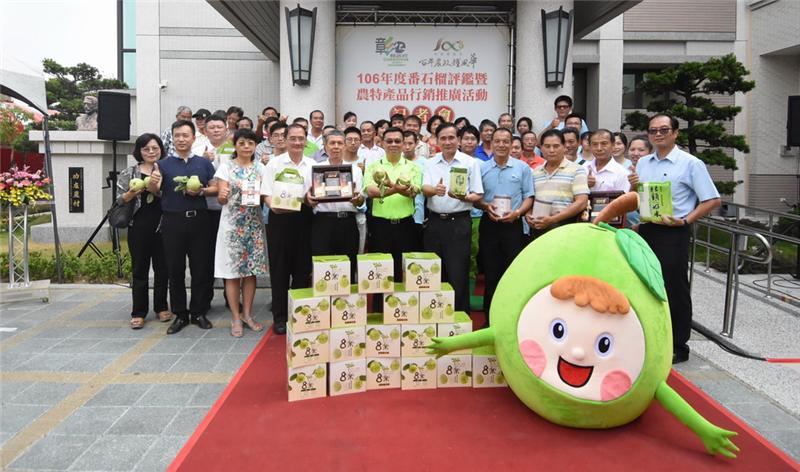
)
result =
(334, 347)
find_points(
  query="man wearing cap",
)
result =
(201, 143)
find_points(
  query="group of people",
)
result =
(518, 185)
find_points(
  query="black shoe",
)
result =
(201, 321)
(279, 328)
(177, 325)
(680, 356)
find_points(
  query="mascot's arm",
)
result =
(715, 439)
(441, 346)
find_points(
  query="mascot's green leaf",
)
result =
(642, 260)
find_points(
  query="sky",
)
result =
(71, 31)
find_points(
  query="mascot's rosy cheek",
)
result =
(533, 354)
(614, 385)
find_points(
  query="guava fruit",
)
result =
(415, 268)
(412, 301)
(427, 313)
(358, 351)
(361, 302)
(322, 338)
(365, 284)
(194, 184)
(394, 365)
(337, 386)
(394, 334)
(386, 284)
(344, 281)
(319, 372)
(443, 379)
(435, 268)
(340, 304)
(373, 334)
(146, 181)
(358, 384)
(430, 364)
(323, 305)
(374, 366)
(337, 353)
(392, 301)
(276, 200)
(479, 379)
(321, 285)
(136, 185)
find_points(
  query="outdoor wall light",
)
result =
(301, 24)
(556, 31)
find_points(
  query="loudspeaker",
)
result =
(793, 122)
(113, 116)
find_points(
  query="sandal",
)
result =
(237, 331)
(164, 316)
(252, 324)
(137, 323)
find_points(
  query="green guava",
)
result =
(322, 338)
(340, 304)
(361, 302)
(136, 185)
(395, 334)
(415, 268)
(427, 313)
(344, 281)
(319, 372)
(357, 351)
(435, 268)
(321, 285)
(374, 366)
(394, 365)
(337, 353)
(430, 364)
(365, 284)
(373, 334)
(412, 301)
(392, 301)
(386, 284)
(323, 305)
(479, 379)
(337, 386)
(442, 379)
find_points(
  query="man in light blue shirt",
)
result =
(507, 196)
(693, 196)
(449, 231)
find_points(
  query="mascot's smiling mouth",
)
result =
(574, 375)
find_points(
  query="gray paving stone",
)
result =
(730, 391)
(213, 346)
(10, 389)
(246, 344)
(13, 418)
(34, 345)
(44, 393)
(5, 437)
(207, 394)
(87, 363)
(113, 346)
(154, 363)
(788, 440)
(104, 315)
(54, 452)
(107, 333)
(143, 420)
(8, 361)
(114, 452)
(230, 363)
(765, 416)
(186, 421)
(196, 363)
(168, 395)
(90, 420)
(73, 346)
(44, 363)
(119, 395)
(59, 332)
(171, 345)
(161, 453)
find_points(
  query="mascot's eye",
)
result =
(558, 330)
(604, 345)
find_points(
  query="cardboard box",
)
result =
(307, 348)
(331, 275)
(382, 340)
(307, 382)
(349, 310)
(460, 325)
(375, 273)
(485, 368)
(438, 306)
(400, 307)
(418, 373)
(416, 338)
(307, 312)
(347, 343)
(288, 190)
(423, 271)
(383, 373)
(454, 371)
(347, 377)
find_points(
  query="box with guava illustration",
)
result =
(347, 377)
(307, 382)
(331, 275)
(287, 190)
(382, 340)
(349, 310)
(437, 307)
(423, 271)
(383, 373)
(347, 343)
(418, 373)
(461, 324)
(416, 338)
(400, 306)
(308, 312)
(454, 371)
(485, 368)
(308, 347)
(375, 273)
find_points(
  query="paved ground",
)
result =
(81, 391)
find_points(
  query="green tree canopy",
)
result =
(685, 90)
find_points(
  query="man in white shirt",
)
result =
(369, 152)
(449, 231)
(317, 121)
(604, 173)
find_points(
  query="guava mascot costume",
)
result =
(582, 331)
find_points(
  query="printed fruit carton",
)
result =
(454, 371)
(437, 307)
(418, 373)
(307, 348)
(347, 343)
(423, 271)
(287, 190)
(400, 307)
(375, 273)
(347, 377)
(307, 382)
(461, 324)
(383, 373)
(485, 368)
(349, 310)
(307, 312)
(382, 340)
(416, 338)
(331, 275)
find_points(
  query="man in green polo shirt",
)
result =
(392, 227)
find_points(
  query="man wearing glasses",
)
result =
(563, 107)
(693, 196)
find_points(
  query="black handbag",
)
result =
(119, 215)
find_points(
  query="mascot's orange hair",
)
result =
(602, 297)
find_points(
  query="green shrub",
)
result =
(70, 266)
(40, 267)
(100, 269)
(4, 268)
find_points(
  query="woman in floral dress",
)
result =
(240, 254)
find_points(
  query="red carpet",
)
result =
(253, 427)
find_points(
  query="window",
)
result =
(633, 97)
(126, 41)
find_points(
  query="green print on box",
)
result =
(416, 338)
(307, 348)
(383, 373)
(375, 273)
(347, 343)
(287, 191)
(307, 312)
(400, 306)
(423, 271)
(350, 310)
(486, 369)
(307, 382)
(437, 307)
(331, 275)
(655, 200)
(454, 371)
(347, 377)
(382, 340)
(458, 181)
(418, 373)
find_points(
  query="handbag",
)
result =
(119, 215)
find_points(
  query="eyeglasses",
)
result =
(392, 141)
(353, 140)
(656, 131)
(151, 149)
(562, 107)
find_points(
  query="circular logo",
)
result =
(399, 109)
(445, 112)
(423, 112)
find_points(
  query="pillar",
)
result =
(611, 55)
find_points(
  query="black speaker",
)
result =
(113, 116)
(793, 122)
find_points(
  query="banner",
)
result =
(422, 70)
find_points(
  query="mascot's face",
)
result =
(578, 350)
